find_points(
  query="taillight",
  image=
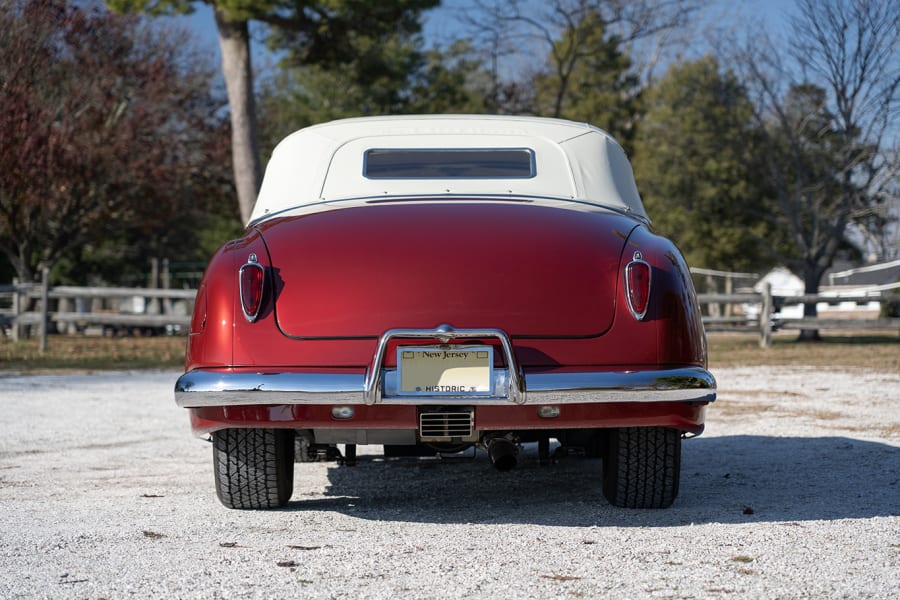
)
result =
(637, 286)
(252, 278)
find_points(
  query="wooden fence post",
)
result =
(712, 288)
(16, 310)
(45, 307)
(166, 284)
(729, 290)
(155, 306)
(765, 317)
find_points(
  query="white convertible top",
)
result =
(322, 167)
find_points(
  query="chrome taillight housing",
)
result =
(252, 279)
(637, 286)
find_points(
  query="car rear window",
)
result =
(478, 163)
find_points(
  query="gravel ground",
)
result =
(792, 492)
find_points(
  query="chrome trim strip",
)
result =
(336, 202)
(691, 384)
(212, 388)
(216, 388)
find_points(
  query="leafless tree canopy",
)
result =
(519, 35)
(828, 108)
(853, 50)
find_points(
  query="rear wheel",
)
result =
(254, 468)
(642, 467)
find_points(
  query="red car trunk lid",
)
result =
(528, 270)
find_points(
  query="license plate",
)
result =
(433, 371)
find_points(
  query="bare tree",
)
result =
(550, 36)
(828, 110)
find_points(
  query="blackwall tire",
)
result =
(642, 467)
(254, 468)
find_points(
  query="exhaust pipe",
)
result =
(504, 454)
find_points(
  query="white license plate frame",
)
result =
(459, 371)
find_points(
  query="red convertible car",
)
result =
(434, 284)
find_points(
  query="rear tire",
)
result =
(642, 467)
(254, 468)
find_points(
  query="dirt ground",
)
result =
(793, 491)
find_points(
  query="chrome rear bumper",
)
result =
(218, 388)
(380, 385)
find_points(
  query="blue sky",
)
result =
(735, 14)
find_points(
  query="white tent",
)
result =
(783, 282)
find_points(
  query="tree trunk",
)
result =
(234, 42)
(21, 262)
(812, 274)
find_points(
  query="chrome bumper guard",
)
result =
(380, 385)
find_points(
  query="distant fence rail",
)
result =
(763, 317)
(26, 309)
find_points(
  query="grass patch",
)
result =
(875, 351)
(878, 351)
(82, 353)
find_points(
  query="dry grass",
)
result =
(878, 351)
(80, 353)
(875, 350)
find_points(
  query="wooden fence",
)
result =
(763, 319)
(77, 309)
(26, 309)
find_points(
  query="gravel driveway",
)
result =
(793, 491)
